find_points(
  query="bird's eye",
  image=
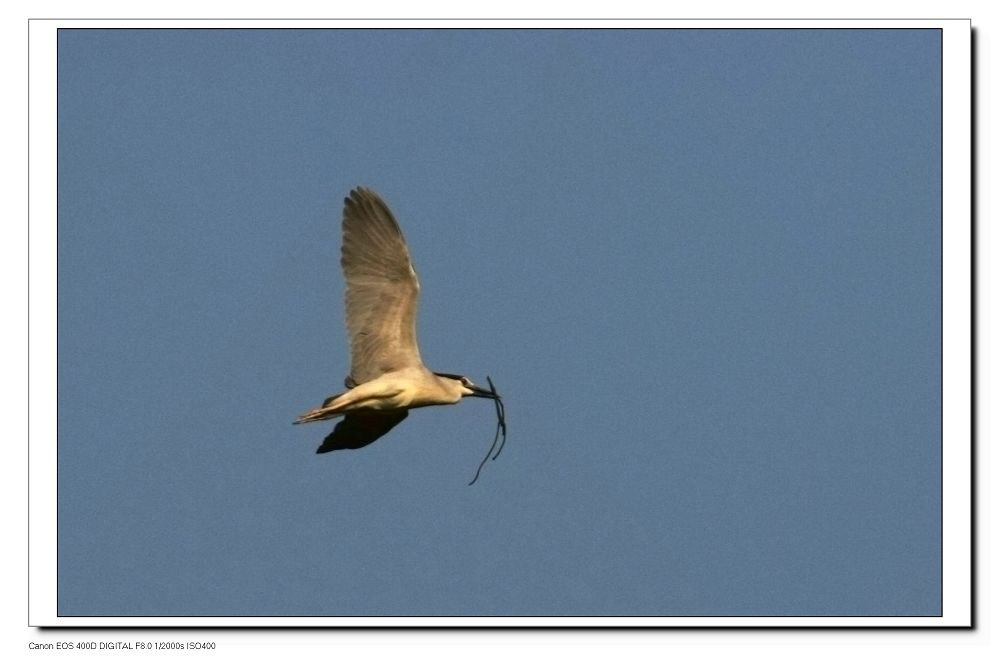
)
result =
(466, 382)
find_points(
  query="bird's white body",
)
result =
(408, 388)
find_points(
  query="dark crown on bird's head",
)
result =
(456, 377)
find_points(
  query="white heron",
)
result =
(387, 376)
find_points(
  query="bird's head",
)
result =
(465, 387)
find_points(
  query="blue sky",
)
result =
(701, 265)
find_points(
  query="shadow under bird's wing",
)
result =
(382, 290)
(359, 428)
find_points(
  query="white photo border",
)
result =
(956, 322)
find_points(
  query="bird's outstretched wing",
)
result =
(359, 428)
(382, 289)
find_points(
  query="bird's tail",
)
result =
(329, 409)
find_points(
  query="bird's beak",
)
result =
(482, 392)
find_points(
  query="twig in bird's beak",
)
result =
(501, 429)
(501, 416)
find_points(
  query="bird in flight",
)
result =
(387, 376)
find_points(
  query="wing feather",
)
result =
(382, 289)
(360, 428)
